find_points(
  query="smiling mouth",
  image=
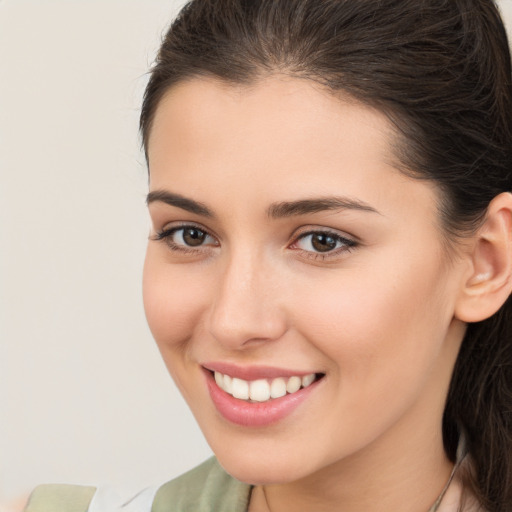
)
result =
(263, 390)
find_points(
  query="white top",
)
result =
(106, 499)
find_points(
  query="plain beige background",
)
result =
(84, 396)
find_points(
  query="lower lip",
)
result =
(258, 414)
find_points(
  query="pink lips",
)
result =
(250, 414)
(252, 372)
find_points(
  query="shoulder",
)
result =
(60, 498)
(76, 498)
(206, 488)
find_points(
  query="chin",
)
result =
(256, 468)
(257, 475)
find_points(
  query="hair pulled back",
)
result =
(441, 71)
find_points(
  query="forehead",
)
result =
(277, 108)
(280, 139)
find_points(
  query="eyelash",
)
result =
(347, 244)
(166, 237)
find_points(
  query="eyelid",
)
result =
(171, 227)
(314, 229)
(165, 235)
(350, 242)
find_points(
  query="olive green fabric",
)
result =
(60, 498)
(206, 488)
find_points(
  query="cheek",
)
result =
(375, 324)
(172, 301)
(382, 343)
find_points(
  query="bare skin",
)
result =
(380, 313)
(16, 505)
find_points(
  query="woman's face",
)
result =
(284, 247)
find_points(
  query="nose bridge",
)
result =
(246, 302)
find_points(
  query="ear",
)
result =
(488, 283)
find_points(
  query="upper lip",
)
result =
(253, 372)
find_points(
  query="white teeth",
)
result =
(259, 390)
(307, 380)
(219, 379)
(278, 388)
(262, 390)
(240, 388)
(293, 384)
(228, 384)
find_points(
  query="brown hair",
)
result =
(441, 71)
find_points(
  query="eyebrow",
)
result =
(179, 201)
(275, 211)
(315, 205)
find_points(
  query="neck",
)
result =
(367, 481)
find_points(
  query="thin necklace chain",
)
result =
(433, 508)
(437, 503)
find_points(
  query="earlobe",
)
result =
(489, 282)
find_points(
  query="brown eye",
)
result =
(186, 237)
(193, 236)
(322, 242)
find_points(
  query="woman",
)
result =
(330, 262)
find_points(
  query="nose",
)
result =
(246, 308)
